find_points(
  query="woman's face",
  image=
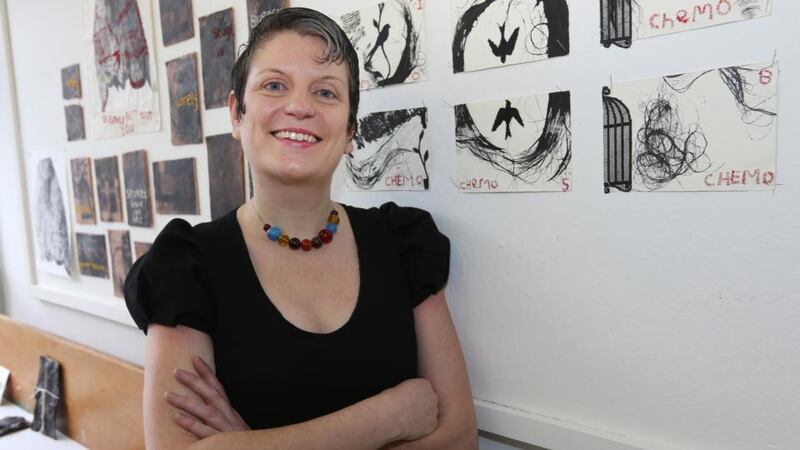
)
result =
(295, 125)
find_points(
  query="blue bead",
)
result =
(331, 227)
(274, 233)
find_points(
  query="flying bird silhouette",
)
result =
(506, 47)
(506, 114)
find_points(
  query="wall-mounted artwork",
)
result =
(704, 131)
(391, 152)
(258, 9)
(217, 38)
(119, 58)
(75, 127)
(514, 144)
(624, 21)
(137, 188)
(390, 41)
(140, 248)
(177, 21)
(109, 195)
(184, 100)
(83, 191)
(47, 186)
(493, 33)
(176, 186)
(71, 82)
(119, 244)
(92, 256)
(225, 174)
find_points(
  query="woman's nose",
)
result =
(300, 105)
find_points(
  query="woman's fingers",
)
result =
(206, 413)
(211, 396)
(194, 426)
(208, 375)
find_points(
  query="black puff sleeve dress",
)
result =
(274, 373)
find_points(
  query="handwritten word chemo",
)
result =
(403, 180)
(704, 11)
(743, 177)
(478, 184)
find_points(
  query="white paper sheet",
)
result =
(515, 144)
(120, 68)
(389, 38)
(493, 33)
(47, 194)
(705, 131)
(625, 20)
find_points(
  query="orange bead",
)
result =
(283, 241)
(333, 219)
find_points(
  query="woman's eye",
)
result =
(273, 86)
(326, 93)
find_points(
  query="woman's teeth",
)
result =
(292, 136)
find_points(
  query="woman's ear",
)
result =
(234, 113)
(348, 148)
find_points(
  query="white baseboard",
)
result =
(549, 432)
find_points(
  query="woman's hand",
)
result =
(215, 414)
(416, 408)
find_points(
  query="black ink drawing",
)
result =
(616, 22)
(617, 143)
(389, 40)
(391, 152)
(624, 21)
(487, 32)
(536, 157)
(50, 221)
(693, 131)
(92, 257)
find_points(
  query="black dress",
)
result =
(273, 372)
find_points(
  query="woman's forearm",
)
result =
(364, 425)
(449, 435)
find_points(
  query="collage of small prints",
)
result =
(713, 130)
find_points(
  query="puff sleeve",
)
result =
(167, 285)
(423, 251)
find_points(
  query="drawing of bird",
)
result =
(506, 114)
(506, 47)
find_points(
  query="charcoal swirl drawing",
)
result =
(623, 21)
(493, 33)
(122, 82)
(706, 131)
(48, 188)
(390, 41)
(391, 152)
(516, 144)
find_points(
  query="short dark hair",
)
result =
(306, 22)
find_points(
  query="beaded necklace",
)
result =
(325, 235)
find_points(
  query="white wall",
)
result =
(588, 321)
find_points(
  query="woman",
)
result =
(342, 340)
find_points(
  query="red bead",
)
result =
(305, 245)
(266, 227)
(316, 242)
(326, 236)
(334, 212)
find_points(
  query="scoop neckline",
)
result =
(264, 297)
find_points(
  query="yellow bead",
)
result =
(333, 219)
(283, 241)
